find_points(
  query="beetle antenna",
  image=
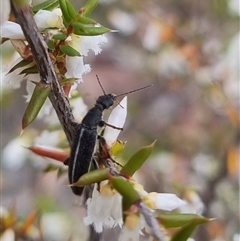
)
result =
(118, 102)
(100, 84)
(132, 91)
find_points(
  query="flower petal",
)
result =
(47, 19)
(165, 201)
(117, 118)
(76, 68)
(85, 43)
(11, 30)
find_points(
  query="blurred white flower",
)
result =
(171, 63)
(236, 237)
(4, 11)
(231, 85)
(152, 36)
(117, 118)
(163, 201)
(125, 22)
(14, 154)
(234, 7)
(104, 209)
(48, 138)
(61, 229)
(194, 203)
(79, 108)
(133, 225)
(8, 235)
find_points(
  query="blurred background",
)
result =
(189, 51)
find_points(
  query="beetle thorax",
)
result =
(105, 101)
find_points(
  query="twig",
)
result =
(45, 67)
(151, 222)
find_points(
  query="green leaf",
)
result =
(71, 11)
(184, 233)
(137, 160)
(47, 5)
(129, 194)
(60, 36)
(180, 220)
(78, 25)
(90, 31)
(20, 65)
(92, 177)
(35, 104)
(53, 6)
(86, 20)
(89, 6)
(30, 70)
(68, 50)
(65, 13)
(50, 44)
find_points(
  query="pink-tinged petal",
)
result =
(165, 201)
(117, 118)
(11, 30)
(4, 11)
(76, 68)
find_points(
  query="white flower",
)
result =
(104, 209)
(4, 11)
(76, 68)
(12, 30)
(133, 225)
(49, 19)
(163, 201)
(14, 154)
(85, 43)
(44, 19)
(156, 201)
(117, 118)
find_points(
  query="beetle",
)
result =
(85, 138)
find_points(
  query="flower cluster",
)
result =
(50, 23)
